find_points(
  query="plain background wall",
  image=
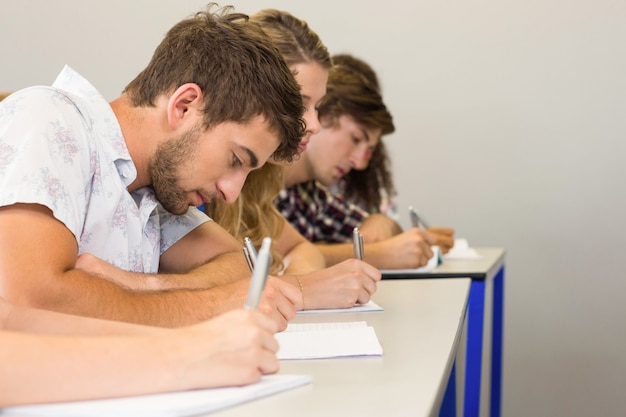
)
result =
(510, 128)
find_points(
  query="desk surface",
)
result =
(492, 259)
(419, 332)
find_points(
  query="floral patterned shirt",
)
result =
(318, 214)
(62, 147)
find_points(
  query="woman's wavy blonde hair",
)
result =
(253, 213)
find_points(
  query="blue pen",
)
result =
(259, 275)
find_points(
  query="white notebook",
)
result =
(328, 340)
(171, 404)
(359, 308)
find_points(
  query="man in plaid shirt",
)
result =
(353, 119)
(327, 220)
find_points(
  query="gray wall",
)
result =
(510, 128)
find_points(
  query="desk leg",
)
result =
(496, 340)
(460, 362)
(453, 398)
(448, 405)
(474, 348)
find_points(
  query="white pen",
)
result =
(259, 275)
(357, 240)
(246, 253)
(417, 218)
(361, 246)
(250, 251)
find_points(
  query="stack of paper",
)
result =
(462, 251)
(171, 404)
(328, 340)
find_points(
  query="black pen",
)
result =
(259, 275)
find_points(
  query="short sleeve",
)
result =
(57, 174)
(174, 228)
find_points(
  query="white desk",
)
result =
(483, 385)
(419, 331)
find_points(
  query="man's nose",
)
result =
(231, 187)
(361, 158)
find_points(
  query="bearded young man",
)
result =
(95, 197)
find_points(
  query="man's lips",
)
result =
(341, 172)
(202, 199)
(198, 200)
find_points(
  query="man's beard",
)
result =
(164, 169)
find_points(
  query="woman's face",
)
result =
(312, 78)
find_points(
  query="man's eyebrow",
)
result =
(254, 161)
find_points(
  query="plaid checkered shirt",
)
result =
(318, 214)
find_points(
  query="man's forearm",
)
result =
(379, 227)
(224, 269)
(77, 292)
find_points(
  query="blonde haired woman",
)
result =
(296, 260)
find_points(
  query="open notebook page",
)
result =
(328, 340)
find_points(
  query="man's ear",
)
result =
(184, 105)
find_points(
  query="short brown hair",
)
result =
(240, 72)
(353, 89)
(350, 93)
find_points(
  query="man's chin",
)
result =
(327, 182)
(177, 210)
